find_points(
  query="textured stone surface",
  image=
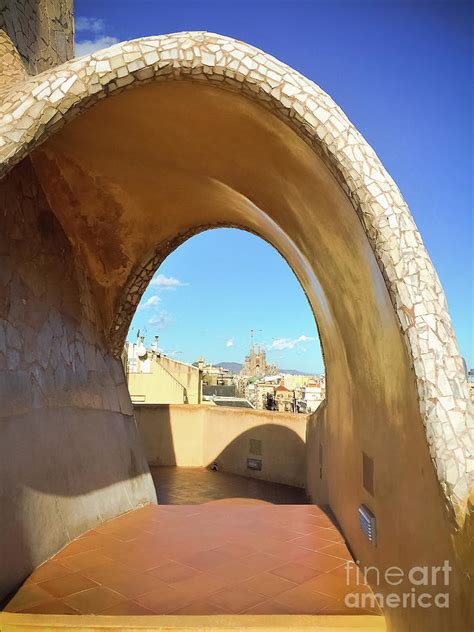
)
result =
(70, 455)
(36, 107)
(12, 68)
(42, 31)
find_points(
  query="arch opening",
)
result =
(240, 335)
(209, 257)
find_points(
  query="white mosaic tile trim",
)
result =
(32, 110)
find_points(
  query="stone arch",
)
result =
(56, 96)
(37, 121)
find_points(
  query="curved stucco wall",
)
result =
(226, 135)
(70, 453)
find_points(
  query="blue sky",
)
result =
(215, 288)
(401, 71)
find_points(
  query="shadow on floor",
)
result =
(195, 485)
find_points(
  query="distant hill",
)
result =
(296, 372)
(235, 367)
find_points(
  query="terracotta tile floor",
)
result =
(195, 485)
(229, 556)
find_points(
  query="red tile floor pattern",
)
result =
(222, 557)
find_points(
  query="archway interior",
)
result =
(136, 174)
(222, 291)
(224, 324)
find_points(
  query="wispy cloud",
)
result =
(229, 343)
(87, 47)
(91, 25)
(160, 320)
(96, 38)
(166, 283)
(152, 301)
(279, 344)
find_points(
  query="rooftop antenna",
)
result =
(252, 332)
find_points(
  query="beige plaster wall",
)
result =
(316, 465)
(411, 523)
(70, 453)
(158, 387)
(172, 434)
(187, 375)
(197, 436)
(228, 433)
(167, 382)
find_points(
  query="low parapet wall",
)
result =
(197, 436)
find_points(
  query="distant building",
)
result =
(257, 392)
(471, 390)
(284, 399)
(154, 378)
(233, 402)
(313, 394)
(219, 390)
(470, 382)
(305, 392)
(255, 364)
(265, 395)
(214, 375)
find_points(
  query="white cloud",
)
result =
(87, 47)
(166, 283)
(150, 302)
(91, 25)
(305, 339)
(160, 320)
(97, 39)
(229, 343)
(289, 343)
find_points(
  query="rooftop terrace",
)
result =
(232, 549)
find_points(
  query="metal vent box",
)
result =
(368, 524)
(254, 464)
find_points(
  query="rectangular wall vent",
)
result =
(255, 447)
(367, 524)
(254, 464)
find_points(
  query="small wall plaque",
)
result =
(254, 464)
